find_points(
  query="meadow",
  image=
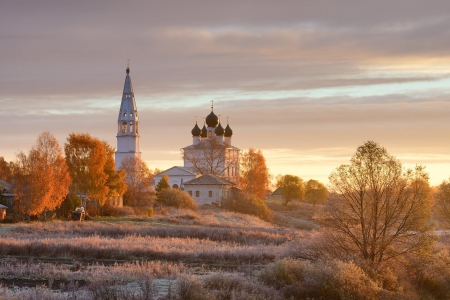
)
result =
(209, 254)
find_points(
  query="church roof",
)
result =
(177, 171)
(128, 109)
(208, 141)
(209, 180)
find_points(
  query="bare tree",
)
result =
(380, 211)
(138, 179)
(212, 157)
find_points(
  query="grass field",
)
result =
(206, 255)
(78, 259)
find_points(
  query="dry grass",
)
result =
(298, 215)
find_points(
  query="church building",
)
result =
(210, 164)
(127, 125)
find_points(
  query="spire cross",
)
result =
(228, 119)
(128, 63)
(196, 119)
(219, 118)
(212, 104)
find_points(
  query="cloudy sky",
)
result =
(306, 82)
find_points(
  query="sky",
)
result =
(306, 82)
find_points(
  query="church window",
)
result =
(124, 113)
(124, 127)
(210, 134)
(210, 194)
(131, 126)
(190, 193)
(197, 193)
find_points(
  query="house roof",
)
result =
(2, 206)
(6, 185)
(209, 180)
(278, 191)
(177, 171)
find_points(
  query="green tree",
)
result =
(315, 192)
(292, 187)
(162, 185)
(254, 177)
(380, 211)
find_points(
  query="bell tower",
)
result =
(127, 125)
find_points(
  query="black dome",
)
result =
(212, 120)
(219, 130)
(196, 131)
(228, 131)
(204, 132)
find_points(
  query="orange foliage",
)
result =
(40, 180)
(92, 168)
(254, 178)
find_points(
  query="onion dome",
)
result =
(228, 131)
(204, 132)
(219, 130)
(196, 131)
(212, 120)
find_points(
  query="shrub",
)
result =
(126, 211)
(321, 280)
(110, 211)
(190, 288)
(177, 198)
(248, 204)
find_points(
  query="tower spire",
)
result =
(127, 123)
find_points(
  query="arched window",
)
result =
(124, 127)
(210, 133)
(124, 113)
(131, 127)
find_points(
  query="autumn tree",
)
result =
(116, 179)
(92, 168)
(254, 179)
(138, 178)
(315, 192)
(380, 211)
(442, 206)
(40, 180)
(291, 187)
(5, 169)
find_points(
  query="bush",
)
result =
(177, 198)
(248, 204)
(321, 280)
(110, 211)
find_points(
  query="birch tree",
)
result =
(381, 211)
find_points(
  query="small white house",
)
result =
(207, 189)
(177, 176)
